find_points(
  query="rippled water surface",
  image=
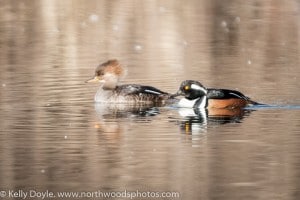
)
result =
(54, 137)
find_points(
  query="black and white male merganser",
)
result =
(197, 96)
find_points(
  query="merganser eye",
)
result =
(186, 87)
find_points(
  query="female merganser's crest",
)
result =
(110, 73)
(197, 96)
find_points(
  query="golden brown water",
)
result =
(53, 137)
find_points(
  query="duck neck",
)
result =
(110, 83)
(201, 102)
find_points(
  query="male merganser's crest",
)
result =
(197, 96)
(110, 73)
(194, 93)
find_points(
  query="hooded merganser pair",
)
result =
(195, 94)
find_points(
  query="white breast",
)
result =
(185, 103)
(102, 95)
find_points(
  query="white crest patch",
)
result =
(197, 87)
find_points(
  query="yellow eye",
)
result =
(186, 87)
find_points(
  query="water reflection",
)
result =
(125, 111)
(191, 121)
(110, 117)
(196, 121)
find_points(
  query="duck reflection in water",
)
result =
(196, 121)
(111, 117)
(125, 111)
